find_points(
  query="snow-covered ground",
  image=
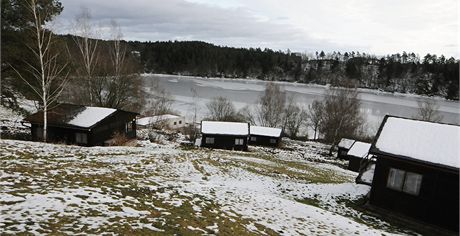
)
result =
(47, 188)
(163, 188)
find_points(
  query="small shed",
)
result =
(343, 147)
(225, 135)
(265, 136)
(356, 154)
(417, 171)
(167, 121)
(83, 125)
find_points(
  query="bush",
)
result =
(118, 139)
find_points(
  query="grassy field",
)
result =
(162, 189)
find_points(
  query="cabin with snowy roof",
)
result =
(265, 136)
(166, 121)
(343, 147)
(225, 135)
(83, 125)
(356, 154)
(416, 173)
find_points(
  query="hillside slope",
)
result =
(161, 188)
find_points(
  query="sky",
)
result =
(376, 27)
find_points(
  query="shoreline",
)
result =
(296, 84)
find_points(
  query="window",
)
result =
(412, 183)
(180, 122)
(210, 140)
(407, 182)
(253, 138)
(129, 127)
(395, 179)
(81, 138)
(175, 123)
(272, 140)
(239, 141)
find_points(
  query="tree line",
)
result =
(404, 72)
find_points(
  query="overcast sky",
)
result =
(377, 27)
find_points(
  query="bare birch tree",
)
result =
(191, 130)
(159, 101)
(87, 44)
(315, 116)
(341, 115)
(49, 74)
(247, 115)
(221, 109)
(270, 107)
(428, 111)
(121, 86)
(294, 117)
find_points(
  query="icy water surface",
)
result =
(246, 92)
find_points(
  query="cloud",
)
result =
(373, 26)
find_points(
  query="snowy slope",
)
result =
(162, 189)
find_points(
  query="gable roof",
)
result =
(265, 131)
(346, 143)
(74, 116)
(225, 128)
(359, 149)
(153, 119)
(424, 141)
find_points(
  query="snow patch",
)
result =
(359, 149)
(265, 131)
(422, 140)
(229, 128)
(90, 116)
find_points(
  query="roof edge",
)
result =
(376, 151)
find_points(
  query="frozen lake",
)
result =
(375, 105)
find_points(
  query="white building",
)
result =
(167, 121)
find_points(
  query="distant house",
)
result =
(83, 125)
(265, 136)
(225, 135)
(356, 154)
(417, 171)
(162, 121)
(343, 147)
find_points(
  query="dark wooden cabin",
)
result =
(265, 136)
(83, 125)
(343, 147)
(356, 154)
(225, 135)
(417, 171)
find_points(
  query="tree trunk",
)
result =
(45, 122)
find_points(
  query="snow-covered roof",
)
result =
(89, 116)
(153, 119)
(346, 143)
(421, 140)
(165, 117)
(359, 149)
(220, 127)
(265, 131)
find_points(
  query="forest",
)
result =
(404, 72)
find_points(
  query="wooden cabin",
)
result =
(357, 152)
(166, 121)
(225, 135)
(265, 136)
(343, 147)
(417, 171)
(83, 125)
